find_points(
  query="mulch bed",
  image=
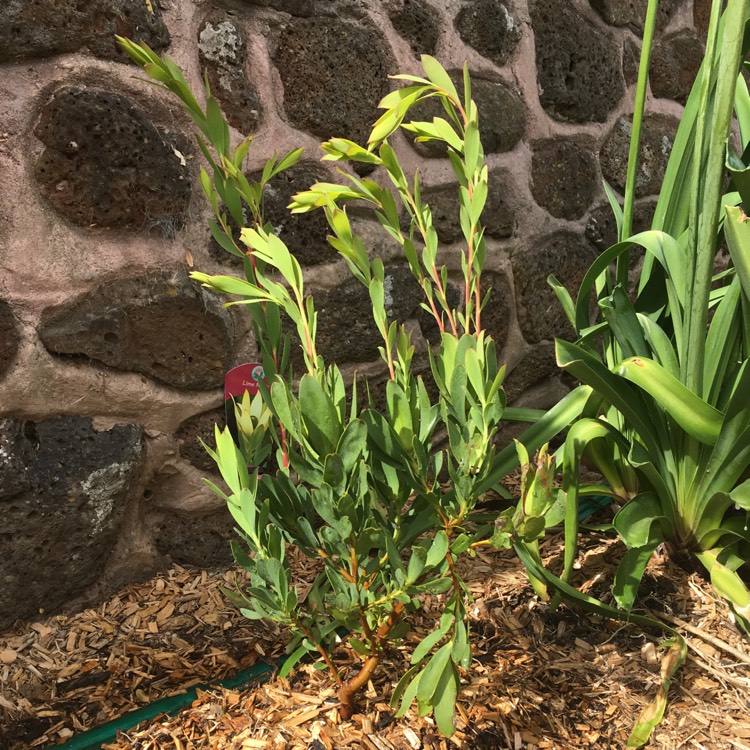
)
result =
(540, 679)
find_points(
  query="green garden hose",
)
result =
(93, 739)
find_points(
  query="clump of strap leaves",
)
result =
(384, 499)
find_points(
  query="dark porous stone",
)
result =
(537, 366)
(498, 218)
(657, 138)
(8, 337)
(578, 65)
(567, 256)
(302, 8)
(496, 314)
(40, 28)
(304, 234)
(346, 332)
(675, 62)
(601, 228)
(632, 13)
(223, 53)
(334, 74)
(702, 16)
(202, 541)
(417, 22)
(106, 164)
(427, 323)
(502, 117)
(63, 494)
(631, 59)
(200, 426)
(601, 232)
(488, 27)
(159, 324)
(564, 177)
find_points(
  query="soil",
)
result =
(539, 679)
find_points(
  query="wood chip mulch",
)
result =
(554, 680)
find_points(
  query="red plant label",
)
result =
(243, 378)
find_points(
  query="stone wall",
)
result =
(111, 360)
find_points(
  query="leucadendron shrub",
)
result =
(382, 501)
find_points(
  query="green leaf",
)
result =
(728, 584)
(291, 661)
(319, 415)
(635, 520)
(333, 472)
(737, 233)
(437, 75)
(426, 645)
(445, 700)
(394, 98)
(359, 646)
(617, 391)
(218, 131)
(472, 147)
(409, 693)
(444, 130)
(698, 418)
(384, 127)
(653, 713)
(416, 565)
(432, 673)
(352, 444)
(543, 430)
(564, 298)
(618, 311)
(616, 208)
(438, 549)
(460, 544)
(461, 653)
(630, 572)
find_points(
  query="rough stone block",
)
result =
(41, 28)
(566, 255)
(417, 22)
(632, 13)
(346, 331)
(488, 27)
(63, 496)
(601, 232)
(106, 165)
(200, 540)
(538, 365)
(675, 62)
(601, 228)
(564, 177)
(701, 16)
(631, 59)
(429, 327)
(657, 137)
(303, 8)
(499, 309)
(200, 426)
(578, 64)
(223, 54)
(159, 324)
(9, 339)
(498, 218)
(334, 73)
